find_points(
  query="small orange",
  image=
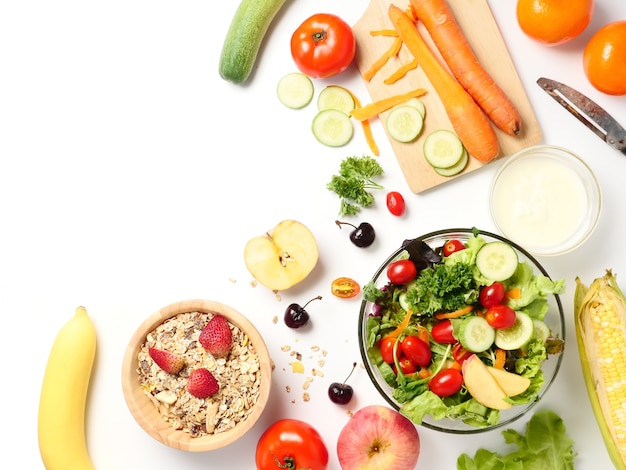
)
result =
(604, 59)
(553, 22)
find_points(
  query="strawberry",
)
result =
(216, 336)
(202, 383)
(168, 361)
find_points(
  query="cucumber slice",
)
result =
(335, 97)
(476, 334)
(443, 149)
(454, 169)
(295, 90)
(516, 336)
(542, 330)
(404, 123)
(417, 104)
(497, 261)
(332, 128)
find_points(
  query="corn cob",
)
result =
(600, 318)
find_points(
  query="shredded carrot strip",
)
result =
(384, 32)
(515, 293)
(422, 333)
(456, 365)
(500, 358)
(400, 72)
(375, 108)
(424, 373)
(400, 328)
(382, 60)
(367, 128)
(455, 314)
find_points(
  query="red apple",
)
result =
(378, 437)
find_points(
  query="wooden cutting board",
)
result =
(479, 26)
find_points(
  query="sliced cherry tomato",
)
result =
(407, 366)
(459, 353)
(290, 443)
(345, 287)
(491, 295)
(452, 246)
(500, 316)
(323, 46)
(401, 271)
(446, 382)
(416, 350)
(442, 332)
(386, 349)
(395, 203)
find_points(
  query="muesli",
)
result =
(238, 374)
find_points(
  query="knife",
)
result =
(588, 112)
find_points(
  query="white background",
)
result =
(132, 175)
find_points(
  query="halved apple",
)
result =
(283, 256)
(482, 385)
(512, 384)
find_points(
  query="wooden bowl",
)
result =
(145, 411)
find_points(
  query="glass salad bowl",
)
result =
(530, 292)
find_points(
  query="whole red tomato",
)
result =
(452, 246)
(447, 382)
(416, 350)
(323, 46)
(395, 203)
(500, 316)
(290, 443)
(401, 271)
(387, 345)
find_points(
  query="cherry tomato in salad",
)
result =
(459, 353)
(500, 316)
(386, 349)
(416, 350)
(395, 203)
(407, 366)
(491, 295)
(401, 271)
(442, 332)
(452, 246)
(446, 382)
(345, 287)
(291, 443)
(323, 45)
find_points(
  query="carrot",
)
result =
(400, 328)
(424, 373)
(367, 128)
(455, 314)
(422, 333)
(500, 358)
(458, 54)
(400, 72)
(382, 60)
(383, 32)
(515, 293)
(468, 120)
(375, 108)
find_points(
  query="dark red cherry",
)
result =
(296, 316)
(362, 236)
(341, 393)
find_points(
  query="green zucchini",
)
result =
(244, 37)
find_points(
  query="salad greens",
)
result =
(544, 446)
(353, 183)
(448, 284)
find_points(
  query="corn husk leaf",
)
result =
(602, 290)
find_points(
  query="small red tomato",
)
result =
(407, 366)
(452, 246)
(442, 332)
(500, 316)
(416, 350)
(401, 271)
(459, 353)
(323, 46)
(395, 203)
(491, 295)
(345, 287)
(446, 382)
(386, 349)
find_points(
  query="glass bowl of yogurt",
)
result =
(547, 199)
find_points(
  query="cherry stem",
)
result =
(319, 297)
(339, 224)
(353, 367)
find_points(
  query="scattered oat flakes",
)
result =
(275, 319)
(317, 372)
(285, 348)
(315, 348)
(306, 396)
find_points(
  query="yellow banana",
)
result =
(61, 427)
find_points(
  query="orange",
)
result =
(604, 59)
(553, 22)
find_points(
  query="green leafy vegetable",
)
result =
(545, 446)
(353, 183)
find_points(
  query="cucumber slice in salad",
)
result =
(335, 97)
(542, 330)
(516, 336)
(332, 127)
(404, 123)
(497, 261)
(295, 90)
(476, 334)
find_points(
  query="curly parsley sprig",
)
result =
(354, 182)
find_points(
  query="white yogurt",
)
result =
(540, 203)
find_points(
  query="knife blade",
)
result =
(590, 113)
